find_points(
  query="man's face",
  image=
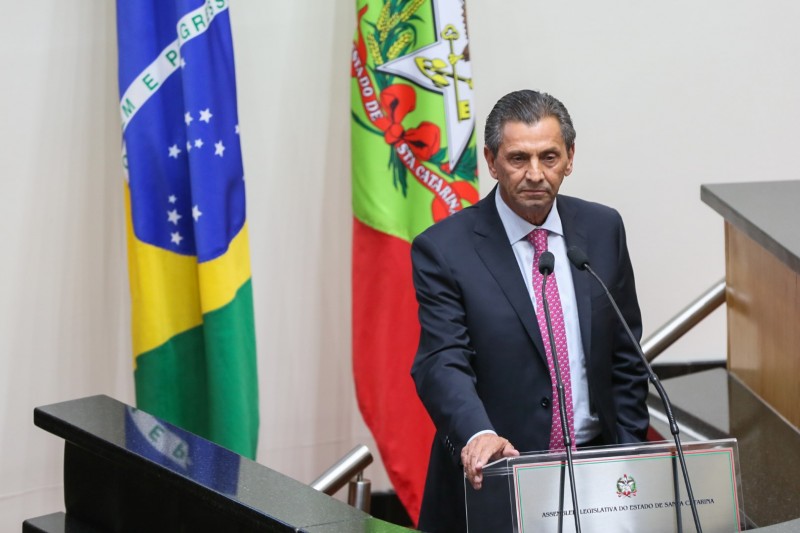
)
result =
(530, 165)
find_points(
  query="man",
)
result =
(482, 369)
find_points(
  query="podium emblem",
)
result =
(626, 486)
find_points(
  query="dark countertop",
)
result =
(62, 523)
(767, 211)
(124, 469)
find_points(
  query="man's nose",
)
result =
(535, 171)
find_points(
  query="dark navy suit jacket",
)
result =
(481, 362)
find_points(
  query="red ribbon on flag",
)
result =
(399, 101)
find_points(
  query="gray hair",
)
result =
(528, 107)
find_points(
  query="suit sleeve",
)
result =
(629, 377)
(442, 368)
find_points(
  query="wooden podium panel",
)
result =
(763, 298)
(762, 242)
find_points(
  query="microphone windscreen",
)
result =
(546, 263)
(577, 258)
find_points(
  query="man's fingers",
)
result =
(509, 450)
(476, 482)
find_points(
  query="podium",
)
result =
(126, 470)
(620, 488)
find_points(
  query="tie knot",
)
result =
(538, 238)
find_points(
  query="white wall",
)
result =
(664, 97)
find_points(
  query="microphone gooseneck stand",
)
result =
(579, 259)
(546, 262)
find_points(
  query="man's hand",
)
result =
(482, 450)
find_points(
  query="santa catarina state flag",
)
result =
(414, 163)
(188, 253)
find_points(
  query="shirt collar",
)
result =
(517, 228)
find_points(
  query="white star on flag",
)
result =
(188, 146)
(176, 237)
(205, 115)
(219, 148)
(173, 216)
(174, 151)
(236, 129)
(183, 63)
(188, 118)
(172, 198)
(198, 143)
(196, 213)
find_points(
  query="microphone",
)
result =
(580, 261)
(547, 263)
(546, 267)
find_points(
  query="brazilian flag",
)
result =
(188, 252)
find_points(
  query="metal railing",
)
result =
(348, 470)
(681, 323)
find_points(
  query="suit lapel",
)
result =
(575, 235)
(493, 248)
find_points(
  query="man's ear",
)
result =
(571, 155)
(489, 156)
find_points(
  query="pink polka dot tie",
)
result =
(538, 238)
